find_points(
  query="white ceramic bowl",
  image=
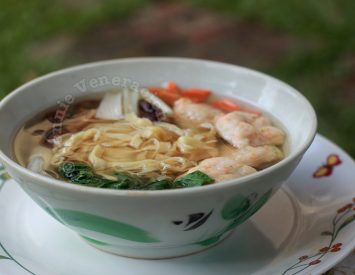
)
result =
(168, 223)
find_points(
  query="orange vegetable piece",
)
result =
(172, 87)
(226, 105)
(164, 95)
(196, 95)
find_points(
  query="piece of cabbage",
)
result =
(115, 105)
(39, 160)
(110, 106)
(156, 101)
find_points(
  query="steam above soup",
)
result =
(150, 139)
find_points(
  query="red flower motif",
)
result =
(344, 208)
(341, 210)
(354, 200)
(315, 262)
(324, 249)
(302, 258)
(336, 249)
(337, 245)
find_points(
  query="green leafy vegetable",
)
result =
(126, 181)
(80, 173)
(159, 185)
(193, 179)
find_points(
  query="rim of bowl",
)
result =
(44, 180)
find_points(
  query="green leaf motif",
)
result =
(326, 233)
(102, 225)
(210, 240)
(235, 206)
(240, 209)
(93, 241)
(4, 258)
(258, 204)
(5, 176)
(345, 223)
(237, 210)
(50, 211)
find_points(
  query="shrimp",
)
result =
(257, 157)
(238, 128)
(222, 168)
(269, 135)
(243, 129)
(189, 115)
(261, 121)
(239, 163)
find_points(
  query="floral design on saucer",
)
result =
(4, 176)
(343, 217)
(326, 169)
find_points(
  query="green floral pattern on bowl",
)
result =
(237, 210)
(101, 225)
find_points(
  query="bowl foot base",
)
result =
(150, 252)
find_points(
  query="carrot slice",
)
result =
(172, 87)
(196, 95)
(226, 105)
(164, 95)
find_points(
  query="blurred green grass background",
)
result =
(321, 65)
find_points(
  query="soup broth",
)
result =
(151, 139)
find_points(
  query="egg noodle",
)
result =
(137, 145)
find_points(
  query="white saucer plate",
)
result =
(306, 228)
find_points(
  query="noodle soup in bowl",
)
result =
(166, 175)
